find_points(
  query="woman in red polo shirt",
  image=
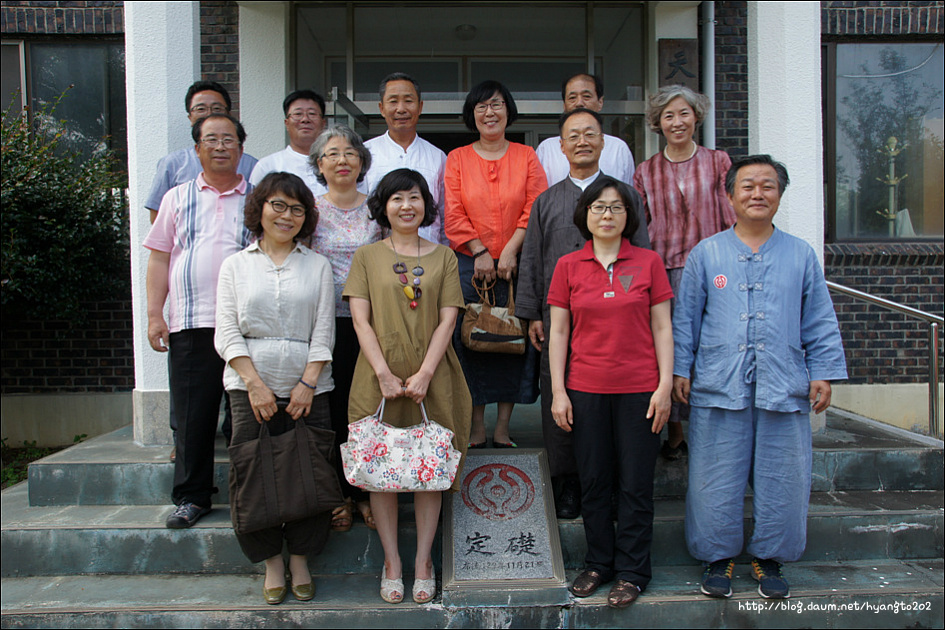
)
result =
(610, 307)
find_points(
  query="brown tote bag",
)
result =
(283, 478)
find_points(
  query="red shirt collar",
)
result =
(626, 250)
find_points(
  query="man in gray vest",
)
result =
(551, 234)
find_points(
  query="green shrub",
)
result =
(64, 223)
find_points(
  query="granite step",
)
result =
(112, 470)
(133, 539)
(854, 594)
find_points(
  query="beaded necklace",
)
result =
(413, 292)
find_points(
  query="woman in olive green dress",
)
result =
(406, 356)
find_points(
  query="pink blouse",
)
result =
(685, 202)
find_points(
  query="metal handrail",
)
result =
(934, 322)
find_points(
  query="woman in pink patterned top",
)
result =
(340, 161)
(683, 189)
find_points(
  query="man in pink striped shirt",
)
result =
(200, 223)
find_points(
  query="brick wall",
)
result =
(62, 18)
(882, 18)
(42, 357)
(731, 80)
(883, 346)
(220, 46)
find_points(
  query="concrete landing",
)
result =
(672, 600)
(133, 539)
(84, 545)
(113, 470)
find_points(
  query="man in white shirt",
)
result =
(304, 120)
(587, 91)
(401, 147)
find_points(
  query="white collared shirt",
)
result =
(420, 156)
(280, 316)
(615, 160)
(289, 161)
(584, 183)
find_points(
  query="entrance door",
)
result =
(450, 47)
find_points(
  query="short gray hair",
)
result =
(338, 131)
(699, 103)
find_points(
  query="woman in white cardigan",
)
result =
(275, 330)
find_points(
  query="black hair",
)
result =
(308, 95)
(598, 84)
(563, 118)
(394, 182)
(196, 130)
(482, 93)
(289, 185)
(398, 76)
(591, 194)
(207, 86)
(779, 168)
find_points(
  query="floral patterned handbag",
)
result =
(381, 458)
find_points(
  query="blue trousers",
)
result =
(729, 450)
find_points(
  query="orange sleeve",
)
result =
(535, 183)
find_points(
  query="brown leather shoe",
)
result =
(622, 594)
(585, 584)
(274, 596)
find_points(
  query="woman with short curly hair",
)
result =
(683, 189)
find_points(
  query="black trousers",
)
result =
(302, 537)
(611, 433)
(196, 382)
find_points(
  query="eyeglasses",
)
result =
(600, 208)
(297, 116)
(203, 110)
(590, 136)
(334, 156)
(281, 206)
(496, 106)
(213, 142)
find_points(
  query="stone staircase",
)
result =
(84, 545)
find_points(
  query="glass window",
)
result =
(94, 106)
(11, 83)
(888, 140)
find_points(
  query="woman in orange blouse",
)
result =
(490, 187)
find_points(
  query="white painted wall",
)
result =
(904, 405)
(784, 108)
(264, 74)
(162, 58)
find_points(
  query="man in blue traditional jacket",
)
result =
(757, 344)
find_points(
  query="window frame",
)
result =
(829, 126)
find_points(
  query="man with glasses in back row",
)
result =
(304, 120)
(202, 99)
